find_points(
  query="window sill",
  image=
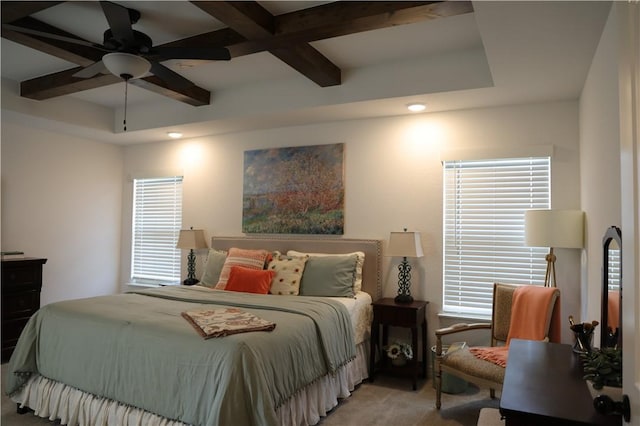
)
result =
(141, 286)
(146, 285)
(464, 316)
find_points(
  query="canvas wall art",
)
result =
(296, 190)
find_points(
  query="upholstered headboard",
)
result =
(371, 271)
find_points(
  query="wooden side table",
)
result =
(386, 312)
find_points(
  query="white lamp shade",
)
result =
(405, 244)
(191, 239)
(554, 228)
(126, 64)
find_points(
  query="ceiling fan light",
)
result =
(126, 65)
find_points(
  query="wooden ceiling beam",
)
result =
(347, 17)
(252, 21)
(63, 83)
(75, 53)
(192, 95)
(252, 29)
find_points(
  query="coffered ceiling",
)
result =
(293, 62)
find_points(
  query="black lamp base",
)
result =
(403, 298)
(190, 281)
(404, 282)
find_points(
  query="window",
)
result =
(614, 266)
(157, 218)
(484, 204)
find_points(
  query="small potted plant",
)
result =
(603, 370)
(399, 352)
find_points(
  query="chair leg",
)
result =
(492, 393)
(437, 371)
(437, 378)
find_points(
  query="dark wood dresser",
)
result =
(21, 284)
(543, 385)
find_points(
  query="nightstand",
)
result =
(386, 312)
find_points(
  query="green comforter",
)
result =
(136, 348)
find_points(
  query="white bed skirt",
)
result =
(54, 400)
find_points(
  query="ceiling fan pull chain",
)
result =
(126, 86)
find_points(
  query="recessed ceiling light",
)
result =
(174, 135)
(416, 107)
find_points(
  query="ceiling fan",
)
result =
(130, 53)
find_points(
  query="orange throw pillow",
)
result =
(253, 259)
(249, 280)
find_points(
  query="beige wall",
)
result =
(600, 164)
(393, 178)
(62, 200)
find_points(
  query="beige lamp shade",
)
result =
(554, 228)
(191, 239)
(405, 244)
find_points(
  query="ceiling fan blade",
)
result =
(79, 41)
(91, 70)
(119, 21)
(204, 53)
(169, 76)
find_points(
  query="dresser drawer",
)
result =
(398, 317)
(11, 330)
(21, 278)
(21, 304)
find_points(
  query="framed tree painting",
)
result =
(296, 190)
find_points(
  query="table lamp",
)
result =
(191, 239)
(553, 228)
(404, 244)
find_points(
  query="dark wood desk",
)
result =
(543, 385)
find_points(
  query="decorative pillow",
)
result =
(329, 276)
(212, 268)
(249, 280)
(357, 284)
(253, 259)
(288, 273)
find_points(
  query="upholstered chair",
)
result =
(463, 363)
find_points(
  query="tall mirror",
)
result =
(611, 288)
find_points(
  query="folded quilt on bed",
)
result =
(211, 323)
(136, 348)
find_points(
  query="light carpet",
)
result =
(387, 401)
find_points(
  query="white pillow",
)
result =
(357, 283)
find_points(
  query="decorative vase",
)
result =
(399, 361)
(583, 342)
(612, 392)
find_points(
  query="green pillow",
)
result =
(331, 276)
(212, 268)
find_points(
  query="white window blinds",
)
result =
(484, 204)
(614, 268)
(157, 218)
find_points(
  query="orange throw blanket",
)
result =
(528, 321)
(613, 310)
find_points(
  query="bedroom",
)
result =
(67, 197)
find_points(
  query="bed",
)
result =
(134, 358)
